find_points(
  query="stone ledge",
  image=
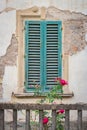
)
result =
(31, 95)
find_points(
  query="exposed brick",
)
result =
(74, 29)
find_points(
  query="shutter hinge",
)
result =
(61, 28)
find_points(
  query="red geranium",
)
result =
(45, 120)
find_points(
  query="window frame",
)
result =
(34, 13)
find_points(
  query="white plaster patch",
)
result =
(9, 82)
(78, 76)
(20, 4)
(7, 28)
(45, 3)
(86, 37)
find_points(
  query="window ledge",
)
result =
(31, 95)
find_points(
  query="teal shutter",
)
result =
(43, 54)
(52, 53)
(33, 50)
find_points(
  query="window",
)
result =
(43, 49)
(34, 15)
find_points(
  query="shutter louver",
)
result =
(33, 38)
(53, 53)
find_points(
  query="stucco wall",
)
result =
(74, 44)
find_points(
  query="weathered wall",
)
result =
(9, 60)
(74, 29)
(74, 42)
(72, 5)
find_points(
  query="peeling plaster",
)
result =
(9, 59)
(61, 14)
(7, 27)
(74, 29)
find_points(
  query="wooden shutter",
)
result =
(52, 53)
(33, 68)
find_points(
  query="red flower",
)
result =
(61, 81)
(60, 111)
(45, 120)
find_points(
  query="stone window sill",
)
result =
(31, 95)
